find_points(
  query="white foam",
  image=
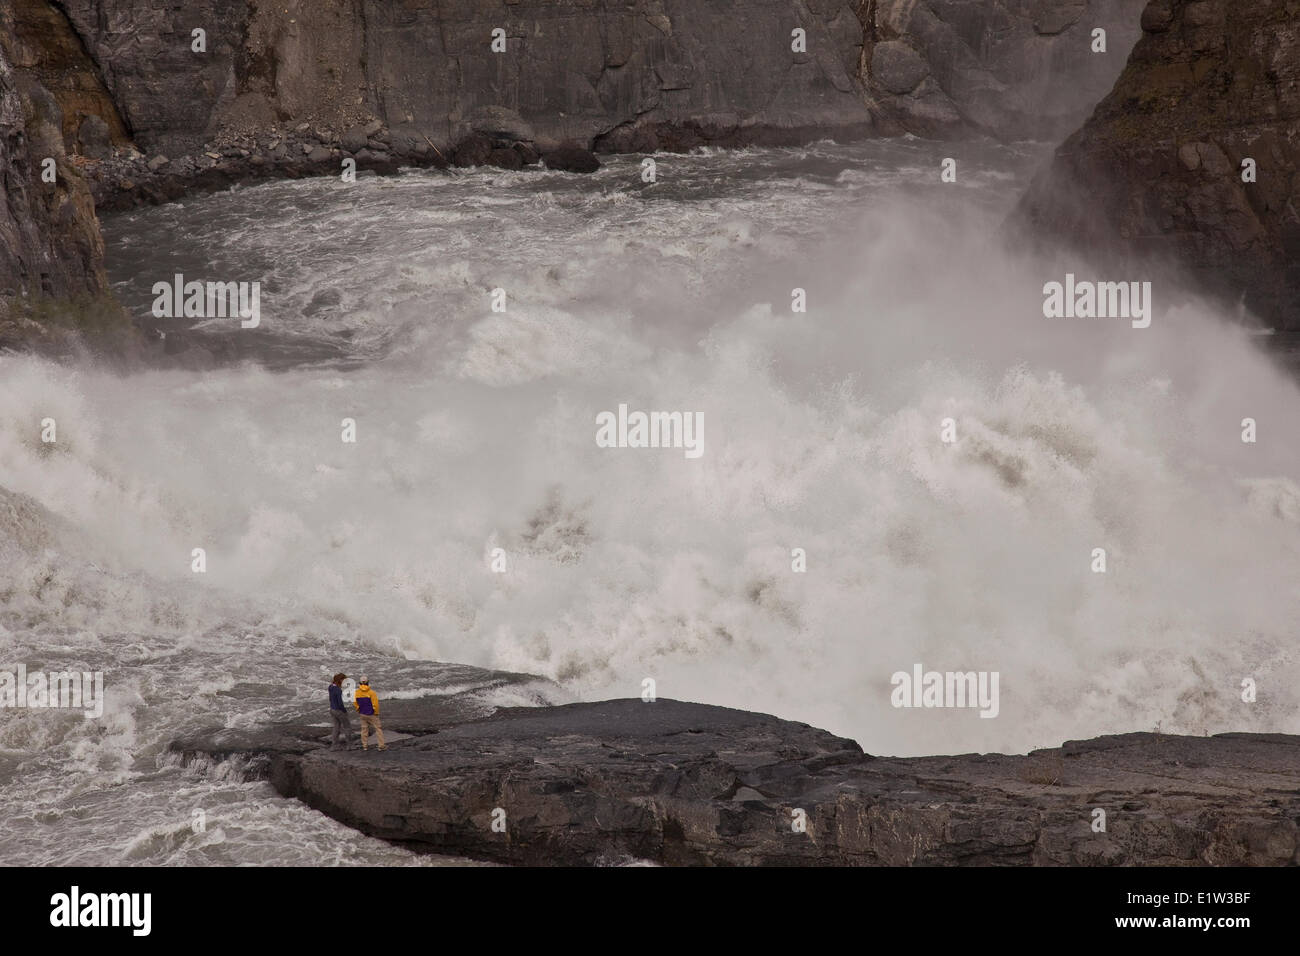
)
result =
(477, 431)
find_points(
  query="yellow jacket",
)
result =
(365, 700)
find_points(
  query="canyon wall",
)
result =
(50, 246)
(615, 74)
(1011, 69)
(572, 69)
(143, 102)
(1192, 161)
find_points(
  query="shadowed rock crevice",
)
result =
(44, 42)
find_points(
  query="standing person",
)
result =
(368, 706)
(339, 714)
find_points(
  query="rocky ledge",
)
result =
(681, 783)
(122, 177)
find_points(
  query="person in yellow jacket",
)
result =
(367, 705)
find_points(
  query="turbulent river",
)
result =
(475, 431)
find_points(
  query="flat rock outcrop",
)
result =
(1159, 172)
(681, 783)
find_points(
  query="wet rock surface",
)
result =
(682, 783)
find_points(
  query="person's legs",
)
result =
(370, 722)
(342, 728)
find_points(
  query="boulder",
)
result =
(409, 141)
(505, 158)
(473, 150)
(528, 154)
(93, 138)
(355, 138)
(571, 158)
(897, 67)
(501, 124)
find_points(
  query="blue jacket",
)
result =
(336, 698)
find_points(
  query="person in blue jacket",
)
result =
(339, 714)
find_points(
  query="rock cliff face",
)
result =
(52, 277)
(572, 69)
(1012, 69)
(621, 75)
(681, 783)
(1160, 169)
(45, 44)
(153, 100)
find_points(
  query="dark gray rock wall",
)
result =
(574, 69)
(621, 74)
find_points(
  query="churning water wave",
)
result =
(476, 431)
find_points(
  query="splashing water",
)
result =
(475, 431)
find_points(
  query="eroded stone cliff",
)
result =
(611, 74)
(1193, 160)
(573, 69)
(1012, 69)
(52, 281)
(144, 102)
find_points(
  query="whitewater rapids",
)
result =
(476, 431)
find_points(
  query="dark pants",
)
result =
(341, 726)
